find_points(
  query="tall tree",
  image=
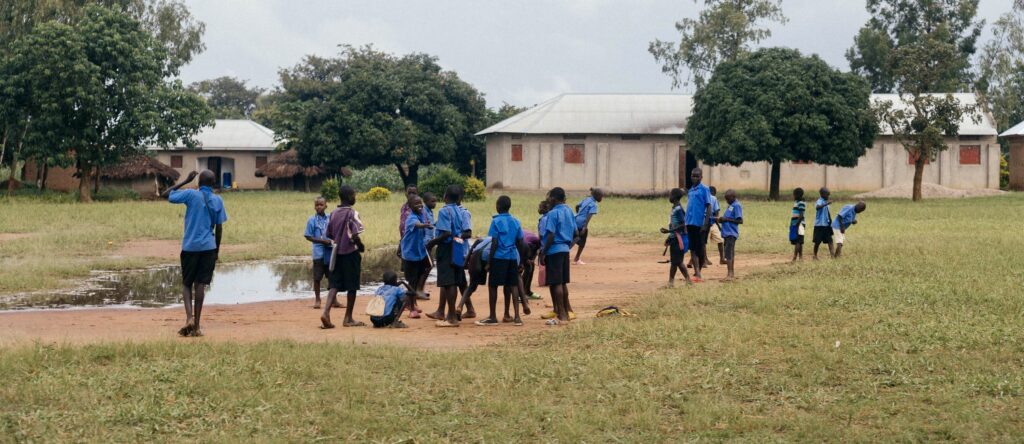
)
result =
(723, 32)
(776, 105)
(898, 23)
(372, 108)
(229, 97)
(1001, 68)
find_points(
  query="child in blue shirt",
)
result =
(559, 232)
(677, 240)
(844, 219)
(823, 223)
(451, 274)
(714, 233)
(796, 224)
(503, 267)
(200, 245)
(415, 261)
(429, 203)
(476, 265)
(731, 220)
(395, 293)
(586, 210)
(316, 229)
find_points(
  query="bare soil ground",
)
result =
(618, 272)
(163, 249)
(13, 236)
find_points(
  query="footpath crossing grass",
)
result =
(915, 335)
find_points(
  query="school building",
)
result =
(634, 143)
(1015, 138)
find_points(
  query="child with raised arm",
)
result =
(316, 227)
(731, 220)
(559, 232)
(395, 294)
(586, 210)
(344, 228)
(796, 224)
(846, 217)
(200, 244)
(415, 262)
(677, 240)
(451, 275)
(503, 267)
(823, 223)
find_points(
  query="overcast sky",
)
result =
(517, 51)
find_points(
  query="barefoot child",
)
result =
(410, 191)
(558, 234)
(415, 262)
(451, 274)
(586, 210)
(395, 294)
(532, 241)
(714, 231)
(344, 228)
(846, 217)
(796, 224)
(731, 220)
(476, 265)
(316, 226)
(506, 235)
(823, 223)
(429, 203)
(677, 240)
(698, 220)
(200, 245)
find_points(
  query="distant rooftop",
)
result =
(234, 135)
(1016, 130)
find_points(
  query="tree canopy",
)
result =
(1001, 68)
(776, 105)
(228, 97)
(723, 32)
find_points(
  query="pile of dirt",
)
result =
(928, 191)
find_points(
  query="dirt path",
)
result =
(618, 272)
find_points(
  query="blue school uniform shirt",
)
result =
(697, 199)
(413, 246)
(430, 233)
(587, 207)
(677, 217)
(845, 218)
(484, 247)
(203, 209)
(821, 216)
(733, 211)
(561, 222)
(716, 208)
(450, 220)
(467, 218)
(316, 227)
(392, 297)
(506, 231)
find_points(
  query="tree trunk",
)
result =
(3, 149)
(84, 191)
(14, 166)
(918, 176)
(305, 179)
(96, 180)
(409, 174)
(46, 174)
(773, 186)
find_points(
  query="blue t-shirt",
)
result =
(316, 227)
(716, 208)
(846, 217)
(430, 233)
(677, 217)
(587, 207)
(413, 246)
(484, 247)
(393, 296)
(697, 199)
(506, 231)
(203, 210)
(540, 230)
(799, 207)
(821, 217)
(467, 219)
(733, 211)
(450, 220)
(561, 222)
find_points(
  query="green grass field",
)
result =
(915, 335)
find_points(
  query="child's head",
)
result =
(453, 194)
(429, 200)
(730, 195)
(503, 204)
(411, 190)
(675, 195)
(390, 278)
(714, 191)
(556, 196)
(597, 194)
(415, 203)
(543, 207)
(696, 175)
(320, 204)
(860, 207)
(207, 179)
(347, 195)
(824, 192)
(798, 193)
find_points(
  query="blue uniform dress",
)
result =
(584, 211)
(561, 224)
(505, 233)
(316, 227)
(203, 211)
(414, 249)
(393, 300)
(450, 219)
(731, 230)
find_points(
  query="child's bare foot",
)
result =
(469, 314)
(196, 332)
(506, 319)
(526, 309)
(353, 323)
(437, 315)
(187, 329)
(414, 314)
(325, 323)
(316, 304)
(444, 324)
(398, 324)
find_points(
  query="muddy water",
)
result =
(161, 286)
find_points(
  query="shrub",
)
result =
(329, 189)
(1004, 173)
(475, 189)
(384, 176)
(377, 194)
(439, 179)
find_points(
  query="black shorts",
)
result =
(504, 273)
(556, 269)
(448, 275)
(675, 252)
(319, 270)
(730, 248)
(197, 267)
(823, 235)
(697, 241)
(415, 270)
(477, 275)
(345, 276)
(582, 241)
(798, 241)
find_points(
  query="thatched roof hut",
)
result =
(142, 173)
(284, 172)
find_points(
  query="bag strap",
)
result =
(206, 203)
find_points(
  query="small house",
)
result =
(143, 174)
(285, 173)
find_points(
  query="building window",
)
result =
(911, 158)
(573, 153)
(574, 136)
(176, 162)
(630, 137)
(970, 155)
(260, 161)
(517, 136)
(971, 138)
(802, 162)
(517, 153)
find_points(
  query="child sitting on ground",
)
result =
(844, 219)
(796, 224)
(394, 293)
(677, 240)
(731, 220)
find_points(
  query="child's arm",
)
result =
(217, 231)
(441, 237)
(167, 193)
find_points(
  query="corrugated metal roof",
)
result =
(1016, 130)
(234, 135)
(644, 114)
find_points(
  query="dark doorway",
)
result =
(687, 162)
(213, 164)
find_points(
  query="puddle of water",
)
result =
(161, 286)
